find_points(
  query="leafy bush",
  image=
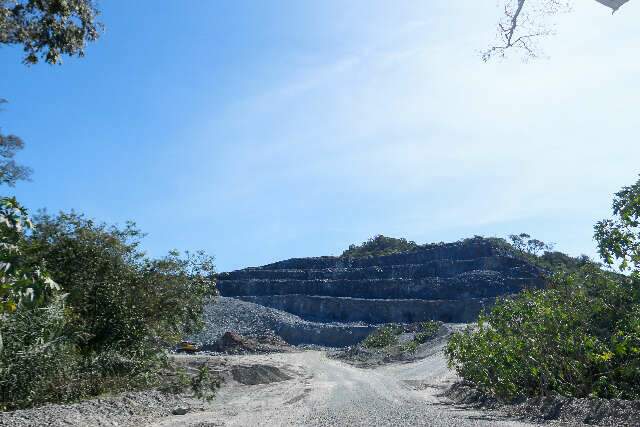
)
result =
(203, 384)
(383, 337)
(428, 330)
(379, 245)
(107, 326)
(410, 346)
(118, 297)
(619, 238)
(37, 361)
(521, 246)
(23, 281)
(425, 332)
(580, 337)
(539, 253)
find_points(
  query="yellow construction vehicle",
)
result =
(187, 347)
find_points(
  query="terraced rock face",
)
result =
(447, 282)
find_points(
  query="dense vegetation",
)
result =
(379, 245)
(119, 296)
(427, 331)
(540, 253)
(388, 335)
(82, 309)
(579, 337)
(10, 171)
(100, 318)
(383, 337)
(517, 245)
(48, 28)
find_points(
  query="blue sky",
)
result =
(263, 130)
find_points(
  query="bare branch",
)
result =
(523, 24)
(514, 23)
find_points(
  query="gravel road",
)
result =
(305, 388)
(326, 392)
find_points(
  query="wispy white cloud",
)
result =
(415, 123)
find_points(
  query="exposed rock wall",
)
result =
(325, 334)
(331, 309)
(480, 284)
(447, 282)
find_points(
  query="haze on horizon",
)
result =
(261, 132)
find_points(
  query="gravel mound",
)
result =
(231, 315)
(232, 343)
(130, 409)
(226, 314)
(362, 357)
(601, 412)
(258, 374)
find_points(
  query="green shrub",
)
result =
(37, 361)
(380, 245)
(383, 337)
(428, 330)
(175, 382)
(619, 237)
(580, 337)
(118, 297)
(119, 312)
(203, 384)
(521, 246)
(24, 282)
(410, 346)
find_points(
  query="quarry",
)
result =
(338, 301)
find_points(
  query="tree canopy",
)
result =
(49, 29)
(619, 238)
(10, 171)
(578, 337)
(379, 245)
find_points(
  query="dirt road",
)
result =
(326, 392)
(287, 389)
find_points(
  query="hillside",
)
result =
(450, 282)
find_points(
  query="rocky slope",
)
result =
(253, 320)
(447, 282)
